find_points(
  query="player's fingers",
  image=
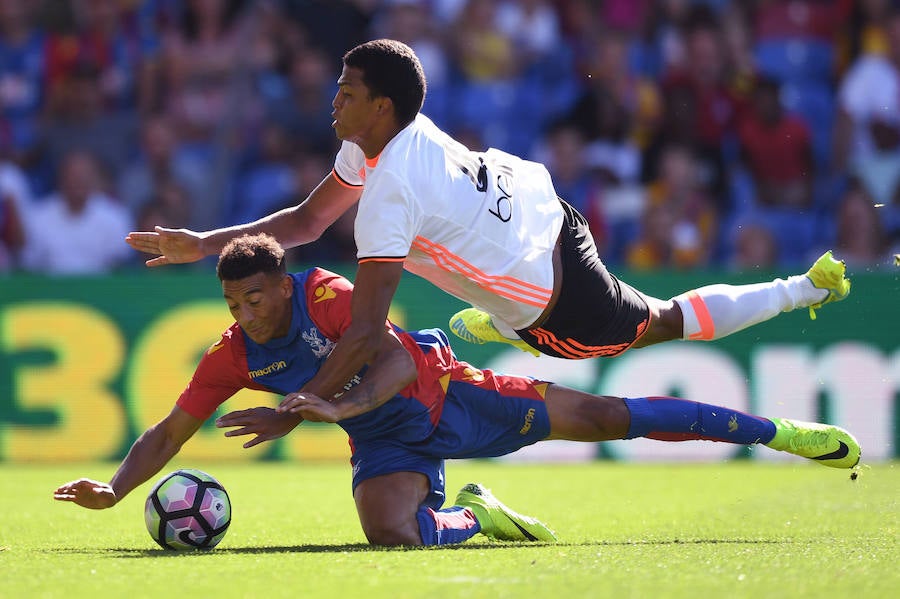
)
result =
(255, 441)
(237, 432)
(158, 261)
(289, 398)
(73, 485)
(236, 418)
(286, 404)
(144, 242)
(142, 237)
(309, 412)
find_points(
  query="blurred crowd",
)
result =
(692, 133)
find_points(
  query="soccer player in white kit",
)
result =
(487, 228)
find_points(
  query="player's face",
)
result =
(261, 304)
(355, 111)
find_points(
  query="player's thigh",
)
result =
(387, 506)
(579, 416)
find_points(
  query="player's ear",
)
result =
(287, 286)
(384, 105)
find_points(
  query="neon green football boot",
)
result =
(828, 273)
(498, 521)
(476, 327)
(828, 445)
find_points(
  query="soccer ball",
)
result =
(187, 509)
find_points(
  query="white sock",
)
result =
(715, 311)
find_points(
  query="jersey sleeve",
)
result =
(328, 298)
(387, 220)
(349, 165)
(218, 376)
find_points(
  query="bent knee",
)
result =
(666, 323)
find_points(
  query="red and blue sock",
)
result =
(447, 526)
(673, 419)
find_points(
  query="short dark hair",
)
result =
(248, 255)
(391, 69)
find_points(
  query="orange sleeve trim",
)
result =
(377, 259)
(337, 177)
(704, 318)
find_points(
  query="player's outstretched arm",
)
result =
(153, 450)
(291, 227)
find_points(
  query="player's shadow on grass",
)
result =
(364, 547)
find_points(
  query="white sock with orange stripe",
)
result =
(715, 311)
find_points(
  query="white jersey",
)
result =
(481, 226)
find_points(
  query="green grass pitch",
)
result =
(627, 530)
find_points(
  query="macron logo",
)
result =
(273, 367)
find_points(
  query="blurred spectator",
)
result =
(861, 237)
(269, 182)
(628, 15)
(201, 58)
(617, 105)
(662, 48)
(679, 222)
(482, 51)
(704, 102)
(740, 64)
(337, 243)
(22, 73)
(533, 27)
(78, 229)
(15, 199)
(606, 123)
(304, 107)
(160, 162)
(412, 22)
(14, 184)
(868, 118)
(12, 233)
(125, 62)
(77, 120)
(563, 153)
(334, 26)
(755, 247)
(864, 30)
(169, 207)
(777, 149)
(798, 21)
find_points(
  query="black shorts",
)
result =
(595, 314)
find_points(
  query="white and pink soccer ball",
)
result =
(187, 509)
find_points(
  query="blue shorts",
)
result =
(485, 415)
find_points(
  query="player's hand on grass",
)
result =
(88, 493)
(265, 423)
(171, 246)
(311, 407)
